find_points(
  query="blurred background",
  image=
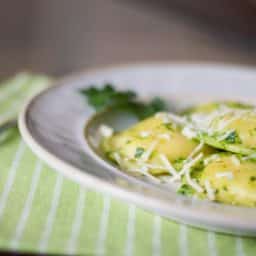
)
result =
(61, 36)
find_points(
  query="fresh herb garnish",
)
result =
(139, 152)
(178, 163)
(110, 98)
(232, 138)
(169, 126)
(253, 178)
(225, 188)
(186, 190)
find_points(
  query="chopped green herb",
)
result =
(253, 178)
(225, 188)
(252, 132)
(169, 126)
(232, 138)
(110, 98)
(139, 152)
(154, 106)
(179, 160)
(178, 163)
(109, 155)
(106, 97)
(186, 190)
(239, 105)
(195, 170)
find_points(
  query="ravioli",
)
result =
(149, 142)
(208, 152)
(231, 179)
(230, 126)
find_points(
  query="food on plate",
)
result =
(207, 152)
(229, 178)
(230, 126)
(155, 144)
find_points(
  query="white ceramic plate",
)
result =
(53, 123)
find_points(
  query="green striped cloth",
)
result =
(42, 211)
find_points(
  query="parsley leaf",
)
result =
(106, 97)
(185, 189)
(139, 152)
(253, 178)
(232, 138)
(110, 98)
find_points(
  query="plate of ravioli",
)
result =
(176, 139)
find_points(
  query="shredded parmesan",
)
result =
(209, 190)
(154, 166)
(168, 165)
(177, 119)
(252, 156)
(225, 135)
(167, 117)
(149, 151)
(229, 175)
(163, 116)
(164, 136)
(209, 123)
(236, 114)
(192, 182)
(144, 134)
(235, 160)
(189, 132)
(211, 158)
(117, 158)
(196, 150)
(203, 122)
(144, 170)
(186, 171)
(105, 131)
(190, 163)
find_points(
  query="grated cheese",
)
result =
(236, 114)
(235, 160)
(145, 134)
(168, 165)
(225, 135)
(117, 158)
(189, 132)
(177, 119)
(211, 158)
(186, 171)
(252, 156)
(149, 151)
(163, 116)
(196, 150)
(190, 163)
(167, 117)
(105, 131)
(144, 170)
(209, 190)
(229, 175)
(164, 136)
(192, 182)
(202, 121)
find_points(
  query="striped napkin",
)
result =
(42, 211)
